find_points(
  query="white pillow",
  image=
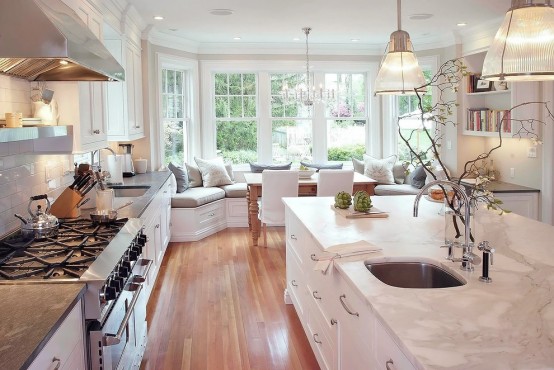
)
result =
(194, 175)
(380, 170)
(213, 172)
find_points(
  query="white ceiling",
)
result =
(333, 22)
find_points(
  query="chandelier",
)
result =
(399, 72)
(523, 48)
(307, 94)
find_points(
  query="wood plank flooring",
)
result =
(218, 304)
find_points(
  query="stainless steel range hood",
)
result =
(45, 40)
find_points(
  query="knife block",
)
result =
(65, 206)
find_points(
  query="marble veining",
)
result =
(508, 324)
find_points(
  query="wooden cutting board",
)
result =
(350, 213)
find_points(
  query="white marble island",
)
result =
(508, 324)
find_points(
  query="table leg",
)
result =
(254, 222)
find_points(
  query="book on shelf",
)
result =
(488, 120)
(472, 81)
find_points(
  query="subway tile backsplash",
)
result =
(23, 173)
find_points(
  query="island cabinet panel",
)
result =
(339, 323)
(66, 348)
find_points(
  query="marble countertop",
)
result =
(508, 324)
(30, 314)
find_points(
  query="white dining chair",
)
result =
(330, 182)
(276, 184)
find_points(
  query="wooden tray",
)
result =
(350, 213)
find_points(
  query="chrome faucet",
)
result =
(468, 258)
(98, 151)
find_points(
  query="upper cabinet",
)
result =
(486, 104)
(124, 99)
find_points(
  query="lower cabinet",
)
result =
(524, 204)
(339, 324)
(66, 348)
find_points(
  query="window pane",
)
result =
(170, 81)
(249, 84)
(235, 87)
(291, 140)
(174, 141)
(164, 80)
(346, 139)
(235, 107)
(179, 82)
(220, 84)
(249, 107)
(237, 140)
(221, 107)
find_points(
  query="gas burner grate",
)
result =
(77, 245)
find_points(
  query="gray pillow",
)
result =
(258, 167)
(325, 166)
(358, 165)
(417, 177)
(181, 177)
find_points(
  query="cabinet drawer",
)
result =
(323, 345)
(63, 343)
(211, 213)
(387, 351)
(296, 286)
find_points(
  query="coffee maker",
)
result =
(126, 150)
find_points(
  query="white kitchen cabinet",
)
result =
(388, 354)
(66, 348)
(524, 204)
(165, 214)
(133, 69)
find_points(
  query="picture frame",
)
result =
(482, 85)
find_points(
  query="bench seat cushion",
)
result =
(397, 189)
(237, 190)
(196, 197)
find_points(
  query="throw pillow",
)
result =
(358, 165)
(213, 172)
(380, 169)
(258, 167)
(325, 166)
(229, 169)
(195, 177)
(181, 177)
(417, 177)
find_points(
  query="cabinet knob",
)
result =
(314, 293)
(293, 283)
(293, 237)
(390, 365)
(316, 339)
(96, 132)
(55, 365)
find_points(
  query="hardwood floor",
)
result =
(218, 304)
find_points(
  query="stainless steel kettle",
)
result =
(41, 224)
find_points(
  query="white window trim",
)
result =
(192, 118)
(209, 68)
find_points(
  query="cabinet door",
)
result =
(116, 98)
(134, 90)
(166, 215)
(92, 121)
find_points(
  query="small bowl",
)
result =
(305, 174)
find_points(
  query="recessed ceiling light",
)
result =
(158, 17)
(236, 38)
(461, 24)
(355, 40)
(296, 39)
(420, 16)
(221, 11)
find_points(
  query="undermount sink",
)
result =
(129, 190)
(413, 274)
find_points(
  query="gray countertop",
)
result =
(30, 314)
(505, 187)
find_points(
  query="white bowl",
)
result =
(305, 174)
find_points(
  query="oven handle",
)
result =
(142, 278)
(113, 339)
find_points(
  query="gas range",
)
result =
(100, 255)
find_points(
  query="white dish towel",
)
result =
(343, 250)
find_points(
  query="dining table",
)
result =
(306, 187)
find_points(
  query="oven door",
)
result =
(119, 343)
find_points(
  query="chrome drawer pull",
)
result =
(293, 283)
(346, 307)
(314, 294)
(316, 340)
(333, 322)
(211, 214)
(313, 257)
(55, 365)
(391, 363)
(293, 237)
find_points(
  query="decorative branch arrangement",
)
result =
(446, 83)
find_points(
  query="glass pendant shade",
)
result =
(523, 48)
(400, 73)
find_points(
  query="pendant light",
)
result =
(399, 72)
(523, 48)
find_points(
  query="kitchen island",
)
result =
(506, 324)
